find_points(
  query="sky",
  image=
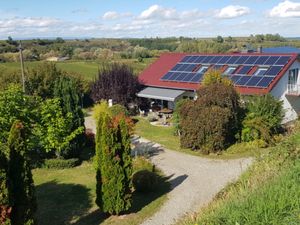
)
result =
(148, 18)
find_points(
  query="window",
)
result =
(202, 69)
(230, 70)
(260, 72)
(293, 76)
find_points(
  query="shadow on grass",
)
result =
(61, 203)
(140, 200)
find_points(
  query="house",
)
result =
(57, 59)
(178, 75)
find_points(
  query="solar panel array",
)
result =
(263, 69)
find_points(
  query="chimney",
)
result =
(259, 49)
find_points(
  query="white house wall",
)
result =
(291, 104)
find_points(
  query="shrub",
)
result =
(215, 77)
(211, 122)
(118, 109)
(263, 118)
(61, 163)
(144, 181)
(141, 163)
(176, 115)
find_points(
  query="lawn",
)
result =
(87, 69)
(68, 197)
(165, 136)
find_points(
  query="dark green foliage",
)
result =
(40, 81)
(263, 118)
(211, 122)
(144, 181)
(118, 109)
(176, 115)
(61, 163)
(113, 164)
(5, 207)
(67, 90)
(21, 187)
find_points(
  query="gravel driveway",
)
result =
(194, 180)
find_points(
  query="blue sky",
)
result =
(148, 18)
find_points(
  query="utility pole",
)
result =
(22, 66)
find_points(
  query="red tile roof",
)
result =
(151, 75)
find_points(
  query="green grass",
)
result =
(87, 69)
(268, 193)
(68, 197)
(165, 136)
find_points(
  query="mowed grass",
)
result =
(87, 69)
(68, 197)
(165, 136)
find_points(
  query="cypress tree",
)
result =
(5, 207)
(21, 187)
(114, 165)
(67, 90)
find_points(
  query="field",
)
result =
(68, 197)
(87, 69)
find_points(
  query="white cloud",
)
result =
(112, 15)
(232, 11)
(158, 12)
(27, 22)
(286, 9)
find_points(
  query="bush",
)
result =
(263, 118)
(212, 121)
(144, 181)
(141, 163)
(118, 109)
(61, 163)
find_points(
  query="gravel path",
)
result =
(194, 180)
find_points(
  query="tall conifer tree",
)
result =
(21, 187)
(114, 164)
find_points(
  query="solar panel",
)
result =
(207, 59)
(188, 77)
(174, 76)
(180, 76)
(254, 81)
(186, 58)
(215, 59)
(283, 60)
(232, 60)
(196, 78)
(271, 60)
(241, 60)
(251, 60)
(167, 76)
(273, 71)
(235, 78)
(190, 67)
(261, 60)
(244, 70)
(192, 59)
(243, 80)
(224, 59)
(265, 82)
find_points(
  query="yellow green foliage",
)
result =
(215, 77)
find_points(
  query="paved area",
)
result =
(194, 180)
